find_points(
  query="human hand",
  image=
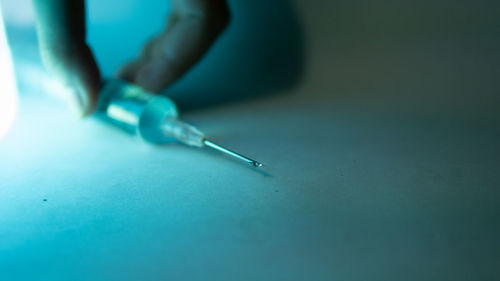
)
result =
(191, 28)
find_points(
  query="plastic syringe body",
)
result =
(153, 117)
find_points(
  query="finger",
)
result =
(61, 33)
(195, 26)
(129, 70)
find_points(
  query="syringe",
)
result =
(153, 117)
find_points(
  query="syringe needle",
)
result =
(232, 153)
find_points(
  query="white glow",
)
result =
(18, 12)
(8, 90)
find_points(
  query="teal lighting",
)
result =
(8, 90)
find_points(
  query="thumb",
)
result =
(75, 67)
(61, 35)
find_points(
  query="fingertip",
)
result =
(90, 99)
(87, 82)
(88, 108)
(75, 68)
(128, 71)
(80, 101)
(157, 74)
(76, 103)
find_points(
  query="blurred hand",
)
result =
(190, 30)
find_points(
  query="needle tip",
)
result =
(256, 164)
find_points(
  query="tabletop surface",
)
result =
(381, 164)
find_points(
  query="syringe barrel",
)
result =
(135, 110)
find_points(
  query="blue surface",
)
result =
(381, 164)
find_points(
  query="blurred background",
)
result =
(378, 123)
